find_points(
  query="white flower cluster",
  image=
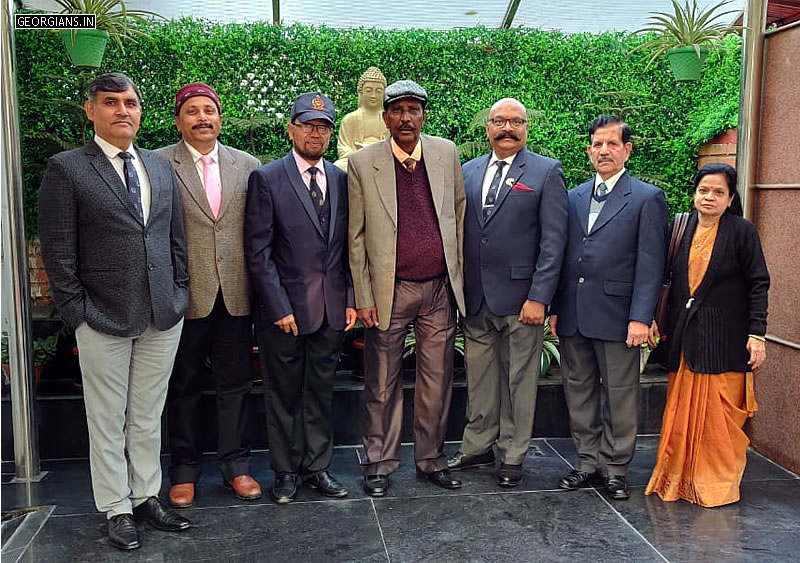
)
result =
(273, 87)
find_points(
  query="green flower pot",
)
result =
(88, 47)
(686, 65)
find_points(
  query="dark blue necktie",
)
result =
(601, 193)
(132, 182)
(494, 187)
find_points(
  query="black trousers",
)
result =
(298, 390)
(227, 341)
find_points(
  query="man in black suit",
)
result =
(515, 231)
(296, 252)
(111, 228)
(607, 295)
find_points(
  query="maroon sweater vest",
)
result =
(420, 254)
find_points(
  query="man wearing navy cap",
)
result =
(406, 228)
(213, 184)
(295, 245)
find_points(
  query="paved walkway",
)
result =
(418, 521)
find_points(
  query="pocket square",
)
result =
(519, 187)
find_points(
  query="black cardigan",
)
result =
(729, 304)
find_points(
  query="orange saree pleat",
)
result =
(703, 449)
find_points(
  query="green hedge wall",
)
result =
(257, 69)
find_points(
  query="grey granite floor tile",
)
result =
(542, 470)
(519, 527)
(758, 468)
(306, 532)
(763, 526)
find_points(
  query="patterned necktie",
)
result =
(316, 191)
(410, 164)
(213, 192)
(601, 193)
(132, 182)
(494, 187)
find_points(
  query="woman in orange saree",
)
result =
(715, 339)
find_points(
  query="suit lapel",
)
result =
(582, 202)
(385, 180)
(617, 200)
(187, 172)
(300, 189)
(105, 170)
(516, 172)
(156, 182)
(435, 170)
(227, 174)
(333, 197)
(474, 186)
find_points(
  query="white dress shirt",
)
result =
(610, 183)
(112, 153)
(198, 164)
(491, 170)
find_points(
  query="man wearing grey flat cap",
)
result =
(407, 206)
(295, 247)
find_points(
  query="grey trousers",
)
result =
(601, 384)
(124, 388)
(502, 359)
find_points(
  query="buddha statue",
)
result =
(365, 125)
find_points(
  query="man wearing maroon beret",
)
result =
(213, 184)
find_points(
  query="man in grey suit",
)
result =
(111, 227)
(406, 226)
(213, 183)
(607, 295)
(515, 230)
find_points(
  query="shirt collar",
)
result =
(196, 155)
(303, 165)
(402, 155)
(508, 160)
(611, 182)
(112, 151)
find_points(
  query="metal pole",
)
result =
(511, 11)
(14, 260)
(755, 15)
(276, 12)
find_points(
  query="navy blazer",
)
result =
(517, 253)
(612, 275)
(295, 267)
(106, 267)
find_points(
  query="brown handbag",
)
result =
(678, 229)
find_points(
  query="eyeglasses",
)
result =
(515, 122)
(307, 128)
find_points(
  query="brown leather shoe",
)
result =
(181, 495)
(245, 487)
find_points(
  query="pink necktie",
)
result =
(213, 193)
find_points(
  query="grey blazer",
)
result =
(105, 266)
(215, 244)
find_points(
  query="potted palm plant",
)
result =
(113, 21)
(687, 35)
(44, 350)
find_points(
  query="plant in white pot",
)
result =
(686, 35)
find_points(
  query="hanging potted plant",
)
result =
(113, 21)
(687, 35)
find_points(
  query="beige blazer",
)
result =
(373, 220)
(215, 247)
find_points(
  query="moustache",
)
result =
(506, 134)
(203, 126)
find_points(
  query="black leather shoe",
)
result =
(509, 475)
(443, 478)
(461, 461)
(284, 489)
(122, 532)
(575, 480)
(326, 484)
(617, 487)
(155, 512)
(376, 485)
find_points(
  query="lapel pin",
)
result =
(510, 182)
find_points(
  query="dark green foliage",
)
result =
(568, 78)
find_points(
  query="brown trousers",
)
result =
(429, 306)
